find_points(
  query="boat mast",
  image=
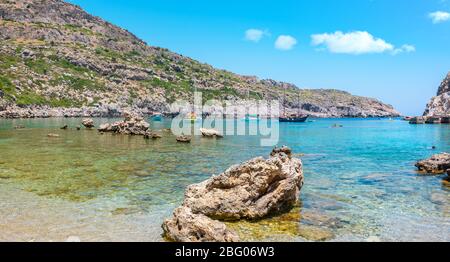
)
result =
(298, 103)
(284, 102)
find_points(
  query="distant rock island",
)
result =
(57, 60)
(440, 104)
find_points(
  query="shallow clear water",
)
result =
(360, 181)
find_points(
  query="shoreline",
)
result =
(112, 111)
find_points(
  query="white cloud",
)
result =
(285, 42)
(439, 17)
(356, 43)
(404, 49)
(254, 35)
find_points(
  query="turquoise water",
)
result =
(360, 181)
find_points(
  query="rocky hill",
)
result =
(55, 60)
(440, 104)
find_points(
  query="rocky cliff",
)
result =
(440, 104)
(55, 59)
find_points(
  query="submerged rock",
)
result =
(186, 226)
(88, 123)
(152, 135)
(184, 139)
(64, 127)
(314, 233)
(253, 190)
(437, 164)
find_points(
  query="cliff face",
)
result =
(440, 104)
(55, 59)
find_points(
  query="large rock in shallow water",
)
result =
(252, 190)
(133, 124)
(210, 133)
(437, 164)
(88, 123)
(186, 226)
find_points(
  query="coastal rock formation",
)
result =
(88, 123)
(185, 226)
(133, 124)
(210, 133)
(430, 120)
(59, 61)
(440, 104)
(253, 190)
(437, 164)
(152, 135)
(184, 139)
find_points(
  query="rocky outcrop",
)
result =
(152, 135)
(88, 123)
(253, 190)
(58, 60)
(184, 139)
(133, 124)
(185, 226)
(430, 120)
(417, 120)
(437, 164)
(210, 132)
(445, 85)
(440, 104)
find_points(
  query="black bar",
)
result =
(222, 251)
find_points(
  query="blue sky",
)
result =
(394, 50)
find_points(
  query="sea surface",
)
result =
(360, 181)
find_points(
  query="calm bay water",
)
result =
(360, 181)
